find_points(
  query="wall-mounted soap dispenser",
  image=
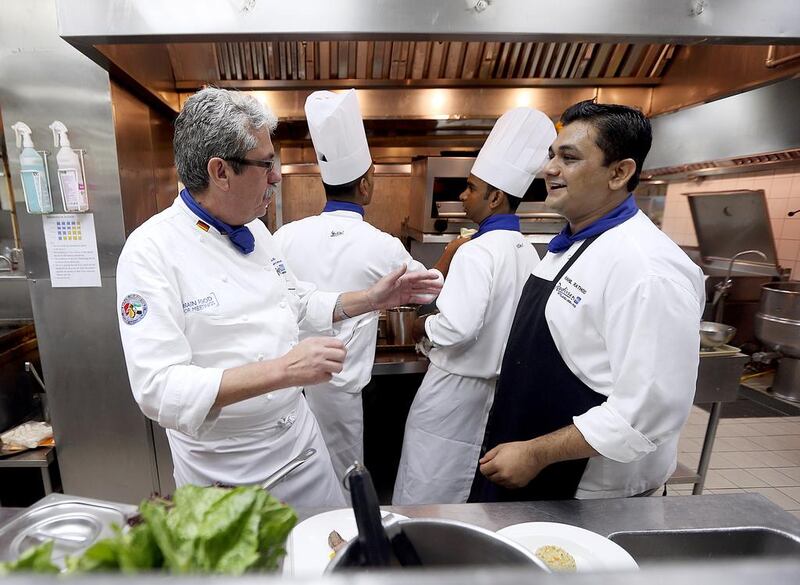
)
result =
(35, 180)
(71, 176)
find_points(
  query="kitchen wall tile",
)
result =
(783, 195)
(777, 207)
(787, 249)
(791, 228)
(777, 227)
(781, 186)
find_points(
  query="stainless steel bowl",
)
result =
(713, 335)
(447, 543)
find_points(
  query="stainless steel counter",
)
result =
(604, 517)
(616, 515)
(393, 362)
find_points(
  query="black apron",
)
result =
(536, 394)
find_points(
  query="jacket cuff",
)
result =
(319, 312)
(190, 410)
(611, 435)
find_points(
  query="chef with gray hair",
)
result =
(210, 314)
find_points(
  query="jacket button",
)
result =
(245, 319)
(260, 357)
(282, 304)
(224, 279)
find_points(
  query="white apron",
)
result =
(442, 440)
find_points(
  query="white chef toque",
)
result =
(337, 132)
(515, 150)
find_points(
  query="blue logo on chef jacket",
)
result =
(570, 291)
(133, 309)
(280, 269)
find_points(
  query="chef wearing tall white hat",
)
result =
(446, 423)
(336, 249)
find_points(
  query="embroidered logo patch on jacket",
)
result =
(133, 308)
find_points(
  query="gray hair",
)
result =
(216, 122)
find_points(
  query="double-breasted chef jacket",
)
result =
(338, 250)
(190, 306)
(621, 312)
(445, 425)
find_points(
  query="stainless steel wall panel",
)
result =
(101, 435)
(104, 443)
(758, 121)
(768, 21)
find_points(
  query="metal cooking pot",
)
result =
(715, 334)
(777, 322)
(399, 323)
(446, 543)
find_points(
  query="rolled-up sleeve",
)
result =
(463, 301)
(168, 388)
(652, 338)
(314, 308)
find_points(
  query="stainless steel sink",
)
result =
(707, 544)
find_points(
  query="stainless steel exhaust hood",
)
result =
(754, 130)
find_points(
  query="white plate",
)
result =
(307, 550)
(591, 551)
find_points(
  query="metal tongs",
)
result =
(284, 471)
(376, 548)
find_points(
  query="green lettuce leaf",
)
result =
(202, 530)
(37, 559)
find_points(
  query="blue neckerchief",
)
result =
(501, 221)
(332, 205)
(240, 236)
(622, 213)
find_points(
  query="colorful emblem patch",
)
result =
(133, 309)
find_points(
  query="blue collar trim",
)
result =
(501, 221)
(240, 236)
(620, 214)
(332, 205)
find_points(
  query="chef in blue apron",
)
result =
(601, 363)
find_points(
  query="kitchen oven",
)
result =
(436, 183)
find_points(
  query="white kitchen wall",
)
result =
(782, 189)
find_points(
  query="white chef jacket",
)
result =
(478, 302)
(447, 419)
(625, 319)
(209, 307)
(338, 250)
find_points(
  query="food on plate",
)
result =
(336, 542)
(556, 558)
(199, 530)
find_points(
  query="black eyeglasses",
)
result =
(264, 164)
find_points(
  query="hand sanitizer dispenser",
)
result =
(34, 174)
(70, 171)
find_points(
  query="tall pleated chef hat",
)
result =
(337, 132)
(515, 150)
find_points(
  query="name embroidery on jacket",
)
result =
(201, 304)
(334, 234)
(570, 291)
